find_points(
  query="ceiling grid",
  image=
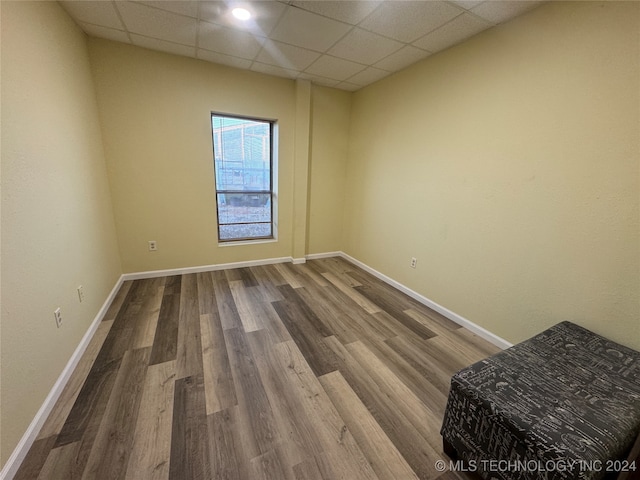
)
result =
(342, 44)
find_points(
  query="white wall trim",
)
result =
(206, 268)
(297, 261)
(20, 452)
(315, 256)
(468, 324)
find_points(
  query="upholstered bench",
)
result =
(563, 405)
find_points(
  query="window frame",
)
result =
(271, 192)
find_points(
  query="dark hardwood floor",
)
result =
(312, 371)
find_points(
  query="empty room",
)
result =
(294, 240)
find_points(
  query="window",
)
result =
(243, 166)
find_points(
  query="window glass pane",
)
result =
(242, 153)
(244, 207)
(252, 230)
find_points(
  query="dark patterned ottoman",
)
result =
(563, 405)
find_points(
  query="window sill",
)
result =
(247, 242)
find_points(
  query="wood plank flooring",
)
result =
(317, 371)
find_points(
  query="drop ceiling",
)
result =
(342, 44)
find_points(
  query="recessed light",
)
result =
(241, 13)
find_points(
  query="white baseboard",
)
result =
(468, 324)
(208, 268)
(315, 256)
(20, 452)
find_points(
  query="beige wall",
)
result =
(509, 166)
(155, 112)
(57, 223)
(329, 145)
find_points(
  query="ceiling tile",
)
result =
(265, 15)
(188, 8)
(163, 46)
(286, 56)
(104, 32)
(228, 41)
(352, 12)
(272, 70)
(160, 24)
(327, 82)
(215, 12)
(97, 13)
(364, 47)
(402, 58)
(501, 11)
(351, 87)
(223, 59)
(304, 29)
(454, 32)
(334, 68)
(367, 76)
(467, 4)
(408, 21)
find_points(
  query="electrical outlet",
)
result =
(413, 262)
(80, 294)
(58, 316)
(153, 246)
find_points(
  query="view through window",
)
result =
(243, 161)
